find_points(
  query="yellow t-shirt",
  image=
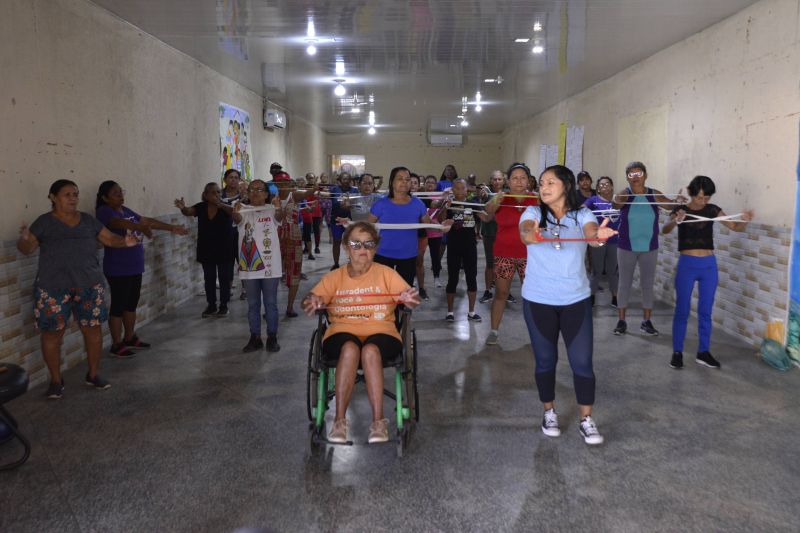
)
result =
(351, 312)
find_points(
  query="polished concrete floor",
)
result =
(196, 436)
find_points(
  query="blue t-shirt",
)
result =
(598, 203)
(336, 207)
(443, 185)
(121, 261)
(398, 243)
(557, 276)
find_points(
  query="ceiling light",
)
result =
(339, 90)
(489, 80)
(537, 26)
(453, 126)
(371, 119)
(478, 108)
(356, 110)
(478, 96)
(372, 99)
(311, 32)
(538, 49)
(311, 50)
(464, 123)
(340, 67)
(371, 130)
(521, 40)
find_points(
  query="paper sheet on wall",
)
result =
(574, 159)
(551, 156)
(542, 159)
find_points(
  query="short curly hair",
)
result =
(364, 226)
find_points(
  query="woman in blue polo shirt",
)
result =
(556, 293)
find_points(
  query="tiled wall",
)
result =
(753, 277)
(171, 276)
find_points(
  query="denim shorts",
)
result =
(52, 308)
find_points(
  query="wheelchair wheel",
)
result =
(411, 395)
(312, 375)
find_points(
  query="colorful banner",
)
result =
(234, 135)
(793, 340)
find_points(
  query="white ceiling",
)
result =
(420, 57)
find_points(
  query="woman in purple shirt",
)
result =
(123, 267)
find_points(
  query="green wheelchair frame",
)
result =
(321, 379)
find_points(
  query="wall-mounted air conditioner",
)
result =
(444, 131)
(445, 139)
(274, 118)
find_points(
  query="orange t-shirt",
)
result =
(362, 316)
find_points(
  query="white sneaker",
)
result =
(492, 338)
(550, 423)
(437, 283)
(589, 431)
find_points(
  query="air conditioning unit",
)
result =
(445, 139)
(274, 118)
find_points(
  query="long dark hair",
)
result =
(392, 174)
(455, 173)
(571, 194)
(103, 191)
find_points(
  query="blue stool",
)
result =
(13, 383)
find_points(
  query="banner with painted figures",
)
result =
(234, 145)
(793, 340)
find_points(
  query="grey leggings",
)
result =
(604, 258)
(627, 261)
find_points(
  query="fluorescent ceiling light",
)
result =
(538, 49)
(464, 123)
(478, 108)
(521, 40)
(537, 26)
(311, 50)
(489, 80)
(371, 130)
(356, 110)
(339, 90)
(371, 119)
(311, 32)
(340, 67)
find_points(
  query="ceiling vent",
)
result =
(444, 131)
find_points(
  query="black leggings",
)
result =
(125, 291)
(407, 268)
(223, 270)
(574, 322)
(462, 256)
(434, 245)
(317, 225)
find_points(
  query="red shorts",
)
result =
(504, 267)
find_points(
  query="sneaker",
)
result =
(290, 314)
(511, 299)
(55, 391)
(677, 360)
(303, 275)
(316, 250)
(424, 294)
(119, 350)
(255, 343)
(589, 431)
(450, 317)
(97, 382)
(550, 423)
(437, 283)
(137, 343)
(243, 295)
(223, 311)
(487, 295)
(493, 337)
(272, 344)
(474, 317)
(622, 328)
(311, 257)
(379, 431)
(614, 302)
(706, 359)
(338, 432)
(648, 329)
(211, 310)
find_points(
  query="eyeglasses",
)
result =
(636, 174)
(368, 245)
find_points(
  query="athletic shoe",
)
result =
(242, 295)
(311, 257)
(255, 343)
(211, 310)
(379, 431)
(450, 317)
(137, 343)
(303, 276)
(423, 294)
(487, 295)
(511, 299)
(493, 337)
(474, 317)
(589, 431)
(338, 432)
(614, 302)
(291, 314)
(272, 344)
(677, 360)
(550, 423)
(622, 328)
(316, 250)
(647, 328)
(119, 350)
(706, 359)
(97, 382)
(223, 311)
(55, 391)
(437, 283)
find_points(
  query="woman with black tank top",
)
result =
(697, 264)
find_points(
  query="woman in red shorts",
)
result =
(510, 254)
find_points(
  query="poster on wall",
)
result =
(574, 149)
(793, 340)
(234, 145)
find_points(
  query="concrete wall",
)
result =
(479, 154)
(86, 96)
(724, 103)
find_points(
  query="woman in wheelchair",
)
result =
(360, 300)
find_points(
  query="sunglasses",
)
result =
(257, 190)
(636, 174)
(368, 245)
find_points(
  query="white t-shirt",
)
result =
(259, 253)
(557, 276)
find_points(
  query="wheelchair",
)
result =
(321, 378)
